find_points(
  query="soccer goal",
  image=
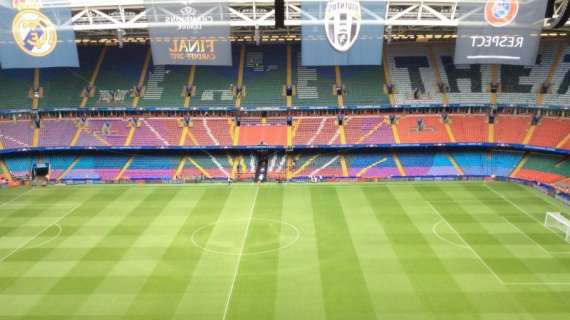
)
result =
(555, 220)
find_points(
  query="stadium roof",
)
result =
(401, 15)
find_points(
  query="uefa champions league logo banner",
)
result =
(189, 33)
(499, 31)
(34, 36)
(342, 32)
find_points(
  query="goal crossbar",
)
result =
(555, 220)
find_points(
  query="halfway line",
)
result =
(238, 263)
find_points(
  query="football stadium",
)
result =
(285, 159)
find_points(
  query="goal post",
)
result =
(556, 220)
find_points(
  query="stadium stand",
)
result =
(118, 76)
(16, 134)
(521, 84)
(207, 165)
(365, 85)
(511, 129)
(306, 130)
(62, 87)
(550, 132)
(97, 167)
(56, 132)
(265, 75)
(164, 86)
(371, 165)
(432, 131)
(469, 128)
(426, 164)
(57, 164)
(254, 132)
(368, 129)
(558, 93)
(214, 85)
(545, 168)
(315, 131)
(465, 83)
(277, 166)
(104, 132)
(492, 163)
(210, 131)
(20, 166)
(314, 165)
(15, 85)
(244, 165)
(411, 71)
(157, 132)
(314, 85)
(161, 167)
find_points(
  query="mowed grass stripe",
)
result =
(38, 204)
(169, 280)
(211, 284)
(32, 260)
(524, 198)
(434, 286)
(299, 289)
(535, 302)
(505, 299)
(385, 277)
(11, 195)
(501, 260)
(529, 212)
(103, 256)
(547, 267)
(34, 228)
(34, 286)
(149, 268)
(256, 284)
(344, 288)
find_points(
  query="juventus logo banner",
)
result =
(189, 32)
(34, 36)
(499, 31)
(342, 32)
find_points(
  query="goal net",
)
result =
(557, 221)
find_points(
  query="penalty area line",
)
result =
(238, 263)
(534, 241)
(72, 210)
(499, 279)
(16, 197)
(523, 211)
(467, 245)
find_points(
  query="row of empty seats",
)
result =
(305, 130)
(545, 168)
(417, 74)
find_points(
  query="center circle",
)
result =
(227, 237)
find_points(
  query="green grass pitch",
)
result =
(334, 251)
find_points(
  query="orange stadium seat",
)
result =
(546, 177)
(550, 132)
(263, 134)
(316, 130)
(211, 131)
(433, 132)
(511, 128)
(469, 128)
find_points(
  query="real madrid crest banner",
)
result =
(189, 33)
(499, 31)
(35, 36)
(342, 32)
